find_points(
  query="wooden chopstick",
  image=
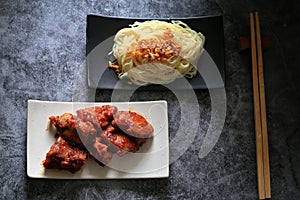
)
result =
(262, 152)
(263, 109)
(258, 135)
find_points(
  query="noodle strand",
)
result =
(157, 52)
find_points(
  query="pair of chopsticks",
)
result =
(262, 151)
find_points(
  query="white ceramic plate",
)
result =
(151, 161)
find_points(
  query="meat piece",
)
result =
(73, 129)
(120, 141)
(62, 156)
(86, 131)
(138, 141)
(100, 116)
(66, 120)
(71, 136)
(65, 128)
(133, 124)
(99, 152)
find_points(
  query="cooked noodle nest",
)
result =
(157, 52)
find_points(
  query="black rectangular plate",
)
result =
(101, 29)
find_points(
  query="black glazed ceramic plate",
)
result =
(100, 34)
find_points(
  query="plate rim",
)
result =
(149, 18)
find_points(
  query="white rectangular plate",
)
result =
(151, 161)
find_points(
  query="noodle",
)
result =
(156, 52)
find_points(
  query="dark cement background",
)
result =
(42, 54)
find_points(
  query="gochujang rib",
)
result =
(99, 151)
(73, 129)
(133, 124)
(62, 156)
(121, 142)
(100, 116)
